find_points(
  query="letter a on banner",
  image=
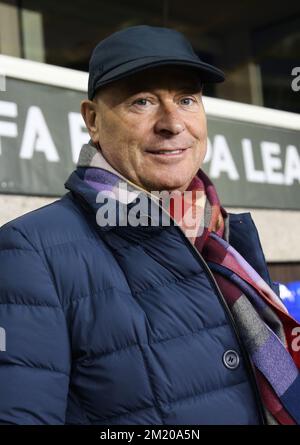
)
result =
(37, 137)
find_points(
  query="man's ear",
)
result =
(88, 110)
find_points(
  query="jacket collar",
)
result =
(93, 201)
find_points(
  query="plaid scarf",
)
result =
(268, 331)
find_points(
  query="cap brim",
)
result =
(207, 73)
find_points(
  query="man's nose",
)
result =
(169, 122)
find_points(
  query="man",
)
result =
(119, 316)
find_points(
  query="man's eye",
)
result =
(187, 101)
(141, 101)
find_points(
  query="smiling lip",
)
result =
(167, 152)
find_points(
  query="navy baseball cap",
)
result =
(137, 48)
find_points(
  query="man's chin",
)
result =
(159, 186)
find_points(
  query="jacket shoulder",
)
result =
(55, 223)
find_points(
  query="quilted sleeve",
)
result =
(34, 341)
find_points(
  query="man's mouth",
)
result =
(168, 151)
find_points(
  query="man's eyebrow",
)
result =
(196, 88)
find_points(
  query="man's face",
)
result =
(151, 127)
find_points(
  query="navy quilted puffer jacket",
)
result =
(121, 325)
